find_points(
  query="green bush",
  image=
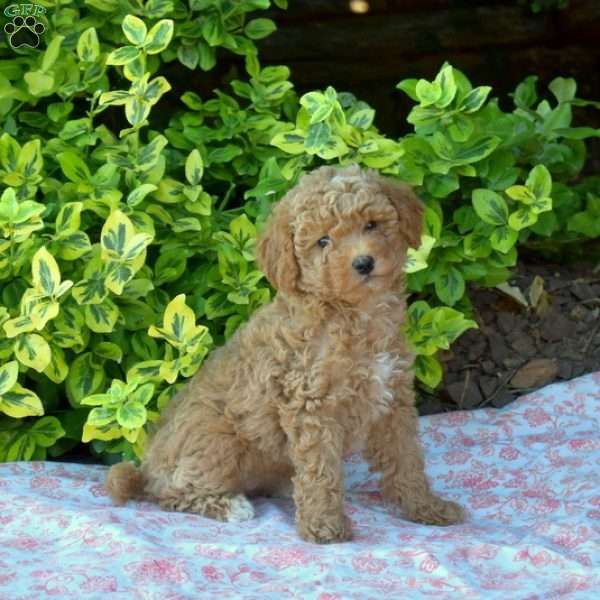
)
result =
(127, 242)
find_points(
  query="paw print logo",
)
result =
(24, 32)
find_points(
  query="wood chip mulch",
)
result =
(544, 327)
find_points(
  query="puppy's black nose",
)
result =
(363, 264)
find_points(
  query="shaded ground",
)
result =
(545, 328)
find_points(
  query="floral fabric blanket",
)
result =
(528, 475)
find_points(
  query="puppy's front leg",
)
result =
(316, 445)
(393, 448)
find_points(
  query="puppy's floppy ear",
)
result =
(409, 209)
(275, 250)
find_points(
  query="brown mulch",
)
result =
(519, 348)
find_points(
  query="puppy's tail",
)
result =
(124, 482)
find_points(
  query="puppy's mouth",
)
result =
(372, 278)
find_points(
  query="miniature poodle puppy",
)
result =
(319, 371)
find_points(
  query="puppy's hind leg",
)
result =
(205, 479)
(229, 507)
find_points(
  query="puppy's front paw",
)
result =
(326, 530)
(434, 511)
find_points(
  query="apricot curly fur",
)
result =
(321, 370)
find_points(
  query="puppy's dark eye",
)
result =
(324, 241)
(370, 225)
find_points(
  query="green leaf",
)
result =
(85, 378)
(428, 370)
(52, 52)
(474, 100)
(525, 95)
(427, 92)
(490, 207)
(503, 239)
(256, 29)
(159, 37)
(134, 29)
(409, 87)
(213, 30)
(477, 245)
(188, 56)
(564, 90)
(521, 218)
(461, 128)
(109, 351)
(450, 285)
(46, 431)
(521, 193)
(207, 56)
(539, 181)
(39, 83)
(447, 85)
(74, 167)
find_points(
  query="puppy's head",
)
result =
(340, 234)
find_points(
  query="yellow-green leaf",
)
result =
(14, 327)
(131, 415)
(44, 311)
(45, 271)
(134, 29)
(416, 260)
(102, 317)
(88, 48)
(21, 402)
(8, 376)
(32, 350)
(30, 160)
(116, 234)
(57, 370)
(178, 323)
(194, 167)
(106, 433)
(159, 37)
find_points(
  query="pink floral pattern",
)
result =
(529, 476)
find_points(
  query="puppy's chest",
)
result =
(365, 366)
